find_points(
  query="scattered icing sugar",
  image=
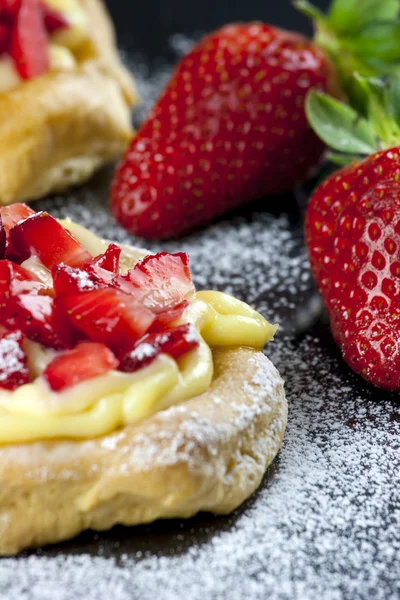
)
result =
(12, 357)
(85, 283)
(325, 522)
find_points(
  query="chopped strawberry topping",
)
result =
(11, 215)
(87, 360)
(3, 239)
(167, 318)
(15, 280)
(53, 19)
(108, 261)
(29, 45)
(159, 281)
(40, 319)
(108, 316)
(91, 304)
(175, 342)
(43, 236)
(24, 305)
(96, 273)
(14, 369)
(4, 37)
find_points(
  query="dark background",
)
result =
(146, 25)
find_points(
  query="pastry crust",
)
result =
(57, 129)
(209, 453)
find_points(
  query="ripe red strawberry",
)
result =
(14, 369)
(29, 42)
(85, 361)
(160, 281)
(353, 233)
(108, 316)
(230, 126)
(175, 342)
(43, 236)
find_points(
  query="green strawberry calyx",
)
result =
(352, 134)
(359, 36)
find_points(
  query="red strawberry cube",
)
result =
(175, 342)
(43, 236)
(84, 362)
(159, 281)
(108, 316)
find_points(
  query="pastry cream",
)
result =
(100, 405)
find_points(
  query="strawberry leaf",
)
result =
(339, 126)
(342, 160)
(349, 16)
(378, 41)
(379, 116)
(392, 98)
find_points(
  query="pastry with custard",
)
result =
(125, 395)
(65, 98)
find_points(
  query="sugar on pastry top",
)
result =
(37, 36)
(95, 337)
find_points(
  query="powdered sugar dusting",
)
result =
(325, 523)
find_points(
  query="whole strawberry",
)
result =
(353, 232)
(230, 126)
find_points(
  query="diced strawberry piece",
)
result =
(159, 281)
(14, 369)
(40, 319)
(53, 19)
(84, 362)
(175, 342)
(109, 260)
(108, 316)
(3, 239)
(15, 280)
(96, 273)
(4, 37)
(67, 280)
(11, 7)
(168, 317)
(43, 236)
(29, 45)
(11, 215)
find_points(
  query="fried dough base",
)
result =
(207, 454)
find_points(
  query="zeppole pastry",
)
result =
(125, 395)
(65, 98)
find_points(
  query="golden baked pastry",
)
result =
(179, 435)
(58, 127)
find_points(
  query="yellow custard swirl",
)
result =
(99, 406)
